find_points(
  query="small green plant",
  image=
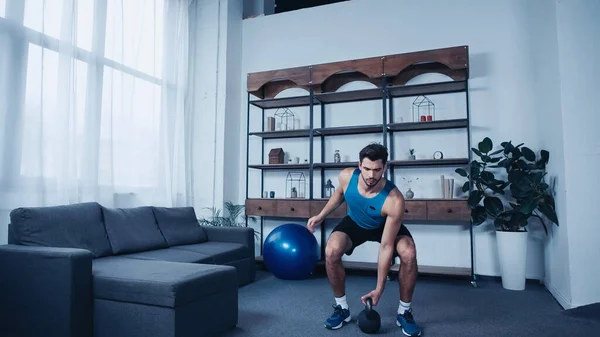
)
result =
(234, 217)
(524, 189)
(411, 152)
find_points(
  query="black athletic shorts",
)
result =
(359, 235)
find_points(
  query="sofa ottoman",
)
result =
(135, 297)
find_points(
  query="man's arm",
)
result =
(337, 198)
(395, 213)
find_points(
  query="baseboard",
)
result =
(559, 297)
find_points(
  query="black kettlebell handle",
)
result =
(369, 304)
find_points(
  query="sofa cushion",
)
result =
(173, 255)
(132, 230)
(162, 283)
(67, 226)
(179, 225)
(222, 252)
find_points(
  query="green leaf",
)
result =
(475, 198)
(549, 212)
(477, 152)
(493, 205)
(485, 145)
(508, 147)
(520, 190)
(487, 177)
(528, 154)
(496, 152)
(528, 205)
(475, 169)
(495, 188)
(478, 215)
(465, 187)
(461, 172)
(514, 177)
(545, 156)
(495, 159)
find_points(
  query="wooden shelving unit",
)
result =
(389, 73)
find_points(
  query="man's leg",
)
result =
(338, 243)
(407, 279)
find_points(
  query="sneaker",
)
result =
(408, 325)
(338, 318)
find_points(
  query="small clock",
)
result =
(438, 155)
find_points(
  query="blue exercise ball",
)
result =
(291, 252)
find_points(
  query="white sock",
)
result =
(404, 306)
(341, 301)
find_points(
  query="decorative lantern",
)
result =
(285, 119)
(295, 185)
(423, 109)
(329, 189)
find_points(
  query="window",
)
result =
(43, 106)
(86, 96)
(129, 101)
(44, 16)
(134, 31)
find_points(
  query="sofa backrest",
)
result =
(105, 231)
(132, 230)
(70, 226)
(179, 225)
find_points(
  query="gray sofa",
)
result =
(86, 270)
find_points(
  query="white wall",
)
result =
(233, 138)
(543, 49)
(503, 88)
(579, 51)
(215, 100)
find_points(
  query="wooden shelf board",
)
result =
(433, 125)
(281, 134)
(349, 96)
(349, 130)
(427, 89)
(286, 102)
(429, 162)
(336, 165)
(279, 166)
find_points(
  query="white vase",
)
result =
(512, 253)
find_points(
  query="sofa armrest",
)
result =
(45, 290)
(242, 235)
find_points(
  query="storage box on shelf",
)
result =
(389, 74)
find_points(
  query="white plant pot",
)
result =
(512, 253)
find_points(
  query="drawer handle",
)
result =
(405, 211)
(449, 210)
(292, 209)
(259, 208)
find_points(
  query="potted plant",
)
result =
(411, 154)
(233, 218)
(511, 197)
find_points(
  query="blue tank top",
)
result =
(366, 212)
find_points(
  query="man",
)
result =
(375, 211)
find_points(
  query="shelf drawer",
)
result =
(415, 210)
(338, 213)
(261, 207)
(293, 208)
(448, 210)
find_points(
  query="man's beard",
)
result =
(371, 181)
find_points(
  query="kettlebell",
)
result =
(369, 320)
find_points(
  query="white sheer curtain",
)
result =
(92, 102)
